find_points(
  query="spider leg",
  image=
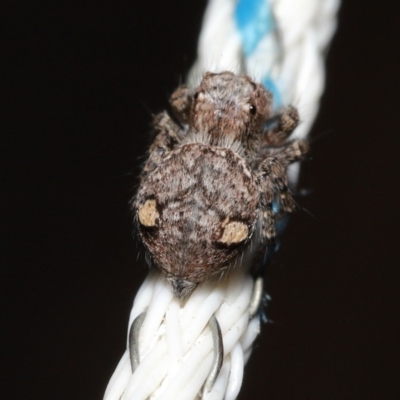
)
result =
(274, 185)
(276, 198)
(169, 134)
(181, 101)
(276, 202)
(279, 127)
(292, 152)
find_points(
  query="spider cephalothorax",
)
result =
(216, 180)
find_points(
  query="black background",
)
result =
(78, 84)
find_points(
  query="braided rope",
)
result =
(282, 44)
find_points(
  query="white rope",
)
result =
(175, 343)
(282, 44)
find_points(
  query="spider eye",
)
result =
(252, 109)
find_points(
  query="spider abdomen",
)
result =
(196, 213)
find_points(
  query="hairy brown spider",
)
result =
(215, 183)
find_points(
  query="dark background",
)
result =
(78, 84)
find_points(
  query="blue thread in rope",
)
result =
(275, 207)
(254, 20)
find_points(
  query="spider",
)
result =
(215, 183)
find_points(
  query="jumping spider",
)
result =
(215, 183)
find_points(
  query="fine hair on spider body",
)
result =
(215, 183)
